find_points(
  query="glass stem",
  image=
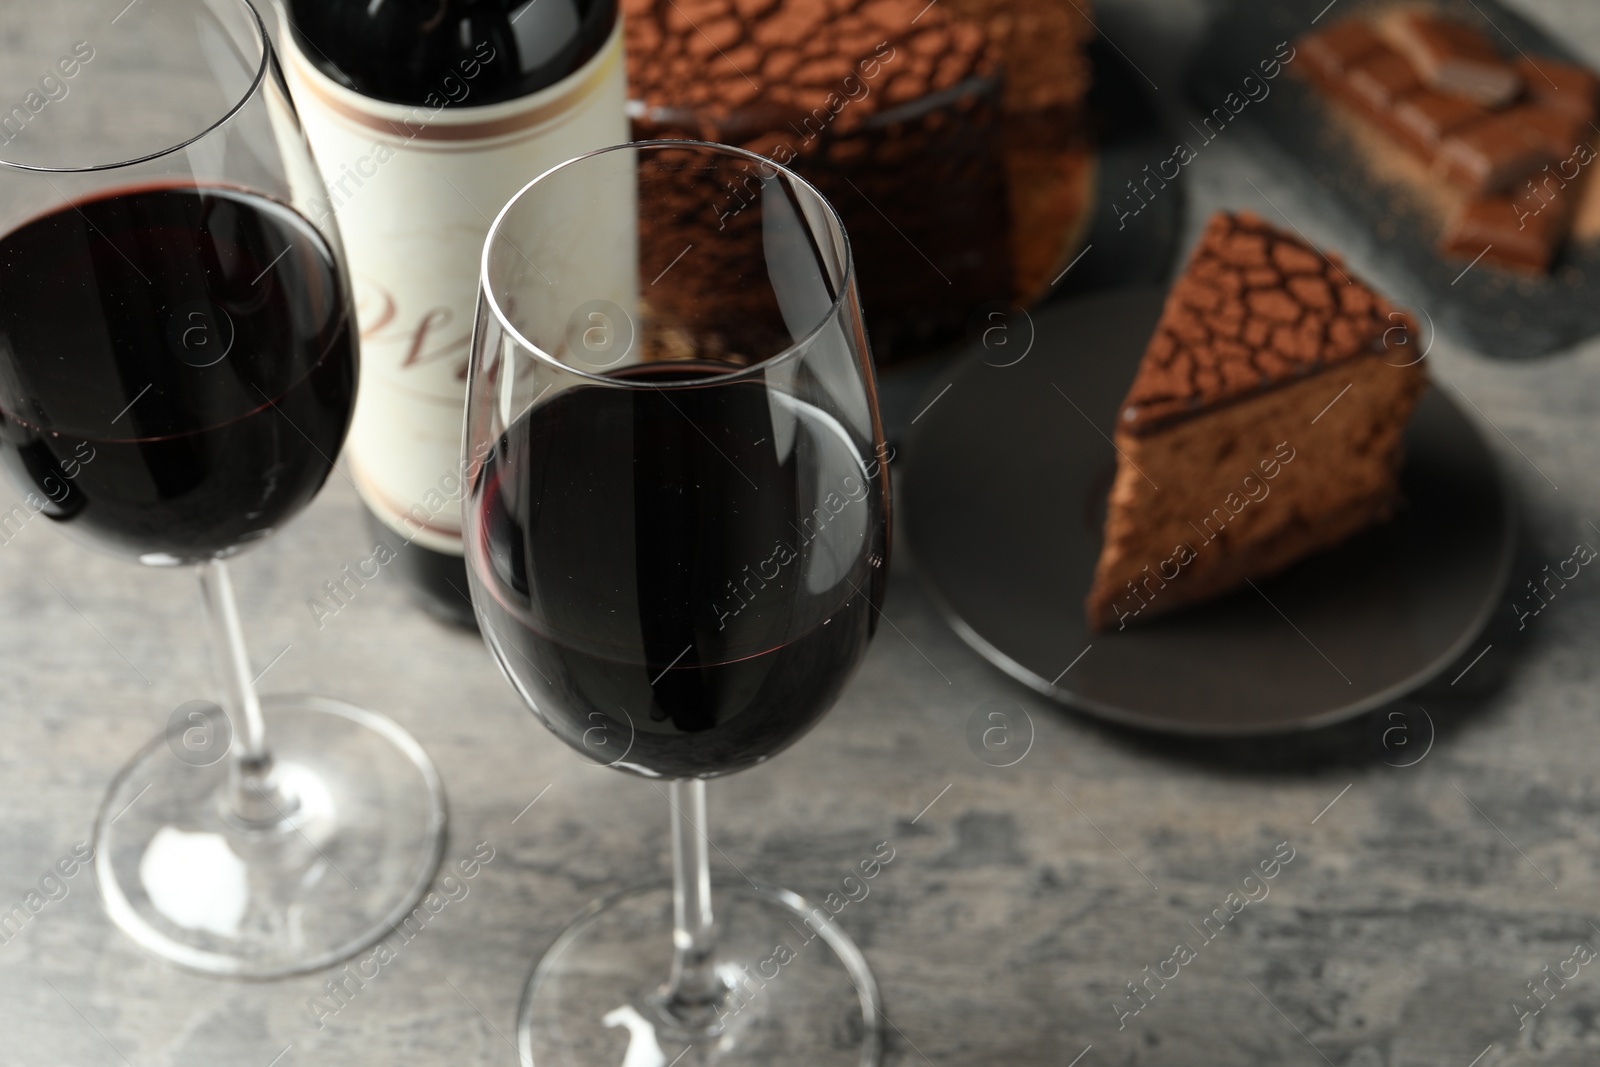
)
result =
(254, 797)
(695, 992)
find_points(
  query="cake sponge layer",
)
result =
(1237, 462)
(1251, 488)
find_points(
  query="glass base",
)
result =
(193, 885)
(798, 990)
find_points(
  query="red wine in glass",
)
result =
(707, 558)
(180, 368)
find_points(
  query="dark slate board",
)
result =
(1503, 315)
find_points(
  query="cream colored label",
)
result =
(414, 190)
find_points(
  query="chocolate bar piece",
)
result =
(1427, 117)
(1519, 234)
(1332, 52)
(1512, 135)
(1374, 84)
(1454, 58)
(1492, 155)
(1381, 78)
(1560, 86)
(1559, 132)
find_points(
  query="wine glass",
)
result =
(177, 373)
(677, 536)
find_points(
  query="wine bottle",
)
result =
(426, 116)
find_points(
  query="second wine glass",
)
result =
(178, 367)
(677, 536)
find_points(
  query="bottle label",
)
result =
(414, 190)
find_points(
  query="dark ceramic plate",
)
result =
(1501, 314)
(1004, 496)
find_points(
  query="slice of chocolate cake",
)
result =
(1264, 424)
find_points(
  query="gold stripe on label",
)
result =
(444, 124)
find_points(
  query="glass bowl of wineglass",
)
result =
(178, 365)
(677, 537)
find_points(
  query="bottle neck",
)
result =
(449, 53)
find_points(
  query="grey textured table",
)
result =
(1414, 912)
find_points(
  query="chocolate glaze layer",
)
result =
(1256, 308)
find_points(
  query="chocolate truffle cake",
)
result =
(1049, 160)
(1264, 424)
(899, 111)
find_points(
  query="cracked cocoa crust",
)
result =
(950, 138)
(733, 63)
(1256, 308)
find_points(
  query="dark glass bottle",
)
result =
(426, 116)
(399, 51)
